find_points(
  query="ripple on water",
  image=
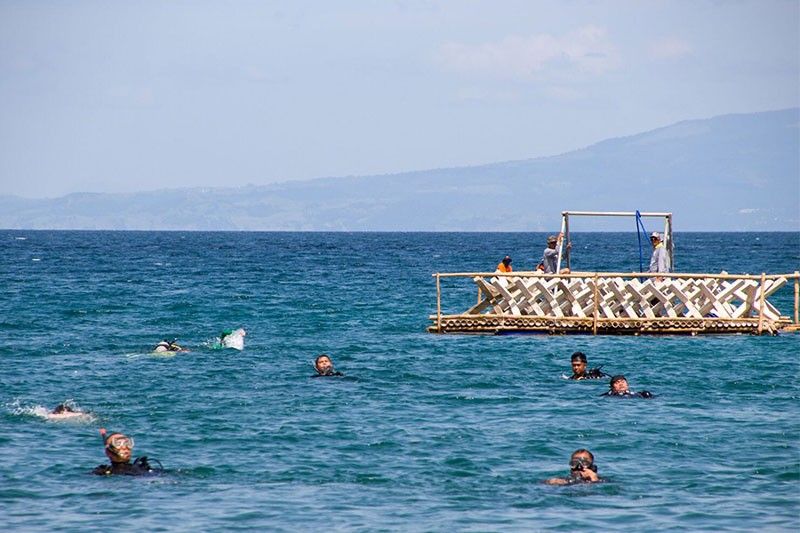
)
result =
(426, 432)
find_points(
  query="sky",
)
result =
(121, 96)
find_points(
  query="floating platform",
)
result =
(609, 303)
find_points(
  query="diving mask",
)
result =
(580, 463)
(118, 441)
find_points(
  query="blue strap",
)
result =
(639, 230)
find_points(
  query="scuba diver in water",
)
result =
(324, 367)
(618, 386)
(169, 346)
(581, 470)
(118, 449)
(579, 368)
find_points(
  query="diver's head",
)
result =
(578, 363)
(62, 408)
(118, 446)
(507, 260)
(581, 459)
(619, 384)
(323, 364)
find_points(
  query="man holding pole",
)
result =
(659, 262)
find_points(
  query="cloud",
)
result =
(129, 96)
(586, 50)
(670, 48)
(747, 211)
(563, 93)
(478, 94)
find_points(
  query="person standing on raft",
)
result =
(659, 262)
(550, 256)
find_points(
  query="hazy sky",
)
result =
(125, 96)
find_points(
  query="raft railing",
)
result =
(619, 303)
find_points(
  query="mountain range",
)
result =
(738, 172)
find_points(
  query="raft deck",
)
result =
(602, 303)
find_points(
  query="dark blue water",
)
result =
(426, 432)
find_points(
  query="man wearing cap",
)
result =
(658, 261)
(505, 265)
(550, 255)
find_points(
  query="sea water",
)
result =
(425, 432)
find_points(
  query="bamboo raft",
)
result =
(597, 303)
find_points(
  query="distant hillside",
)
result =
(732, 172)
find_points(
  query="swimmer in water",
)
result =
(581, 470)
(579, 368)
(169, 346)
(67, 411)
(324, 367)
(118, 448)
(63, 409)
(618, 386)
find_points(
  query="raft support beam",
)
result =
(761, 304)
(797, 298)
(438, 303)
(596, 308)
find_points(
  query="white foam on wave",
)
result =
(40, 411)
(235, 340)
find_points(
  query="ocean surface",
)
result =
(425, 432)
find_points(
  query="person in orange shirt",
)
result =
(505, 264)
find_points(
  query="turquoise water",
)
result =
(426, 432)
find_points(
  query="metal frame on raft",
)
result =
(619, 303)
(597, 303)
(666, 235)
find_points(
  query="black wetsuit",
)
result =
(140, 467)
(335, 373)
(594, 373)
(575, 478)
(629, 394)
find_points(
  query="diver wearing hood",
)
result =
(618, 386)
(579, 370)
(118, 449)
(324, 367)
